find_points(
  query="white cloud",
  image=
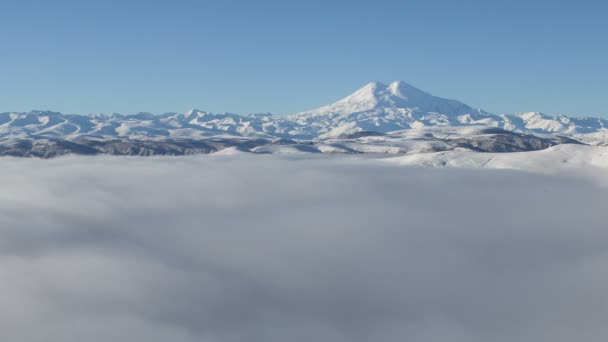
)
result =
(254, 248)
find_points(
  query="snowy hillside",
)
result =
(549, 160)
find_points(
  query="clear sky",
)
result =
(285, 56)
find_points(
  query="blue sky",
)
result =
(286, 56)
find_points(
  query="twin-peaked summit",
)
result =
(399, 94)
(399, 105)
(383, 108)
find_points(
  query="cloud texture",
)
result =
(261, 249)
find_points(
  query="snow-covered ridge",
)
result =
(378, 118)
(375, 107)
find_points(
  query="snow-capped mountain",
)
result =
(384, 108)
(377, 96)
(375, 107)
(385, 112)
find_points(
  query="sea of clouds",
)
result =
(263, 249)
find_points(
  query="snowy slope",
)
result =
(546, 161)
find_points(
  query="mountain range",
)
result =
(393, 118)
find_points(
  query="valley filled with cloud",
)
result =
(266, 248)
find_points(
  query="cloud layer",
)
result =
(262, 249)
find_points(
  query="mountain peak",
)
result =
(404, 90)
(194, 112)
(373, 85)
(378, 96)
